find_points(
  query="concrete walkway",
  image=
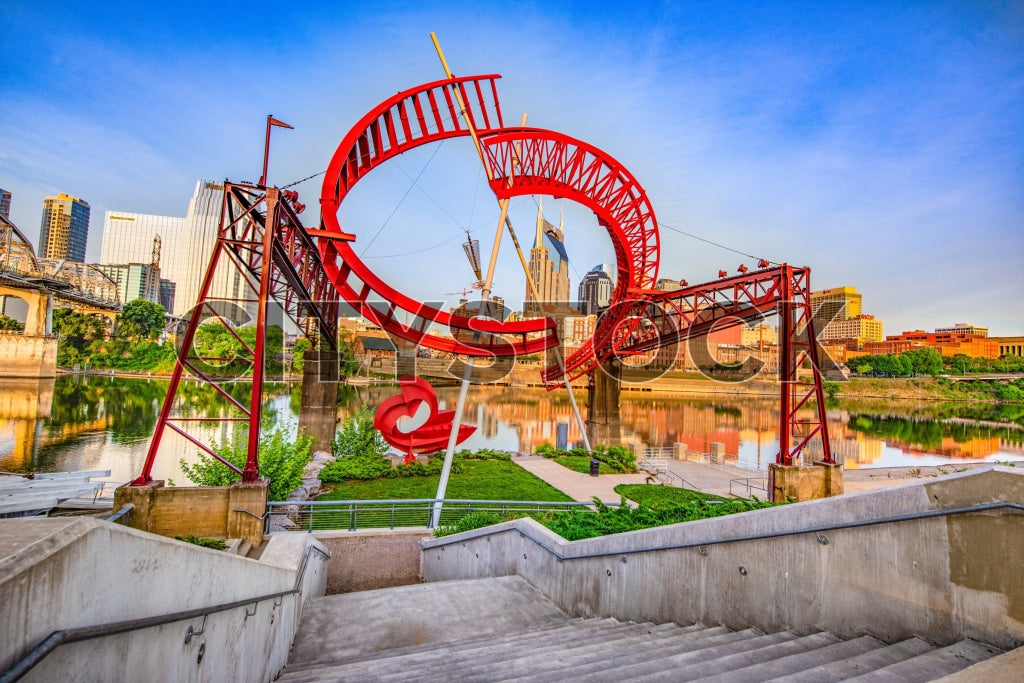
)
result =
(579, 486)
(722, 480)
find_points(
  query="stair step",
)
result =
(429, 650)
(794, 663)
(448, 667)
(757, 653)
(935, 664)
(687, 645)
(663, 661)
(531, 662)
(497, 649)
(358, 625)
(859, 664)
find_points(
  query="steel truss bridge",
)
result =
(76, 284)
(308, 272)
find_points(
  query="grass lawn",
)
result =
(657, 497)
(480, 480)
(580, 463)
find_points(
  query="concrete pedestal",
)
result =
(800, 483)
(679, 451)
(28, 356)
(603, 423)
(318, 414)
(206, 511)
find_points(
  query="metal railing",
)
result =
(74, 635)
(352, 515)
(121, 515)
(660, 470)
(762, 485)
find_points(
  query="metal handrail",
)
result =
(391, 506)
(123, 512)
(981, 507)
(746, 482)
(74, 635)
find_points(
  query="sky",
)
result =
(879, 143)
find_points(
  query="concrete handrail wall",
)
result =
(942, 577)
(83, 572)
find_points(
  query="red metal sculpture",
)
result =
(307, 269)
(547, 163)
(411, 422)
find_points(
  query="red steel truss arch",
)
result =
(548, 163)
(537, 161)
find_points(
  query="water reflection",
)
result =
(77, 422)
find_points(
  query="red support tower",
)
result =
(262, 240)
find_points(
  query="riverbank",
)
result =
(689, 384)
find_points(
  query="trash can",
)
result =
(595, 467)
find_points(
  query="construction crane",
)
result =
(151, 289)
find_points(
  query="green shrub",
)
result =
(282, 461)
(615, 458)
(474, 520)
(358, 436)
(371, 466)
(581, 523)
(365, 466)
(211, 543)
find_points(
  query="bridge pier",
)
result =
(603, 423)
(28, 356)
(318, 414)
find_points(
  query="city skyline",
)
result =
(878, 145)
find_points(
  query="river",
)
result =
(93, 422)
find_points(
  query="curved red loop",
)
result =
(416, 397)
(547, 163)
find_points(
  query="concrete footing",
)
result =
(603, 423)
(800, 483)
(318, 414)
(234, 511)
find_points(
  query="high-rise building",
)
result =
(186, 246)
(963, 328)
(196, 245)
(595, 290)
(837, 303)
(64, 229)
(5, 203)
(549, 263)
(128, 238)
(134, 281)
(840, 308)
(167, 288)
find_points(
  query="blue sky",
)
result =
(879, 143)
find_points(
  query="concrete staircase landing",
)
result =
(503, 629)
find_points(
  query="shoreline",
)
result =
(901, 389)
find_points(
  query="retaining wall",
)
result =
(943, 578)
(365, 560)
(65, 573)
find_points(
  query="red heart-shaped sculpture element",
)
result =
(411, 422)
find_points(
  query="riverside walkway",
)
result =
(718, 479)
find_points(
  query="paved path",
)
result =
(579, 486)
(710, 478)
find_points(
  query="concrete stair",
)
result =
(503, 630)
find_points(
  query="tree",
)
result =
(77, 330)
(9, 323)
(141, 319)
(298, 359)
(925, 361)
